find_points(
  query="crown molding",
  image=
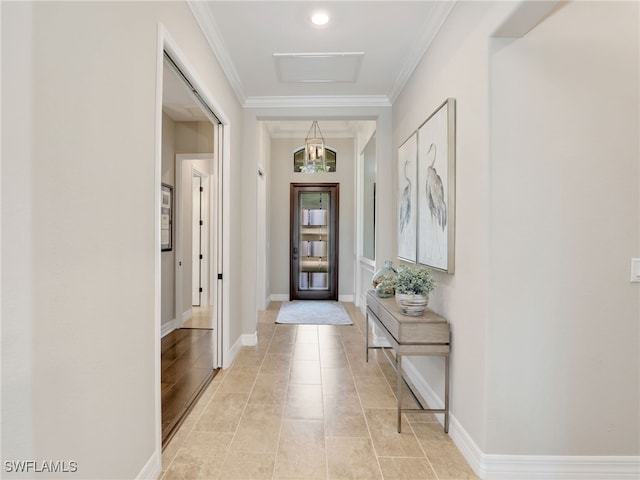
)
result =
(525, 17)
(430, 29)
(210, 30)
(317, 101)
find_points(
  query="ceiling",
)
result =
(273, 55)
(364, 55)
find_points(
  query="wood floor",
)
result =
(186, 369)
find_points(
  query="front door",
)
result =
(314, 241)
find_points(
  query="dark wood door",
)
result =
(314, 241)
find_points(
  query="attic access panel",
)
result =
(318, 67)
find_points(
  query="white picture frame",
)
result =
(408, 199)
(436, 189)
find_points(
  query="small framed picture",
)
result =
(166, 218)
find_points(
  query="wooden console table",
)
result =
(426, 335)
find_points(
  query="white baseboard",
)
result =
(168, 327)
(249, 339)
(187, 314)
(265, 303)
(233, 353)
(279, 297)
(363, 304)
(424, 389)
(548, 467)
(363, 301)
(524, 467)
(152, 469)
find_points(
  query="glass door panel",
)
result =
(314, 233)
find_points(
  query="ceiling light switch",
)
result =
(635, 270)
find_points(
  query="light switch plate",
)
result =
(635, 270)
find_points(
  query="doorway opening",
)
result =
(190, 346)
(202, 313)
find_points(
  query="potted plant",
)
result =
(413, 286)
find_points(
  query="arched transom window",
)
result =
(298, 159)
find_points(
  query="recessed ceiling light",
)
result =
(319, 18)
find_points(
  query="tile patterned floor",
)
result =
(304, 404)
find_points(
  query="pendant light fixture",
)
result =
(315, 158)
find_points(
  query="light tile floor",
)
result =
(304, 404)
(202, 317)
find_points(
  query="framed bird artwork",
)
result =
(407, 198)
(436, 189)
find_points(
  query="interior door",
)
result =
(196, 239)
(314, 241)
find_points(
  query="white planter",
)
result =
(411, 304)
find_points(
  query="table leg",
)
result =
(399, 389)
(366, 336)
(446, 393)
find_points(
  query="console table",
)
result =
(426, 335)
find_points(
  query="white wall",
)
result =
(89, 225)
(16, 311)
(563, 343)
(456, 66)
(282, 175)
(544, 320)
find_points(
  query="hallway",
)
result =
(303, 403)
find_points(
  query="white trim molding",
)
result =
(345, 298)
(549, 467)
(152, 469)
(168, 327)
(266, 302)
(227, 360)
(249, 339)
(424, 389)
(366, 270)
(525, 467)
(317, 101)
(279, 297)
(430, 29)
(210, 31)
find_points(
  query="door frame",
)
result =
(165, 43)
(262, 242)
(334, 256)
